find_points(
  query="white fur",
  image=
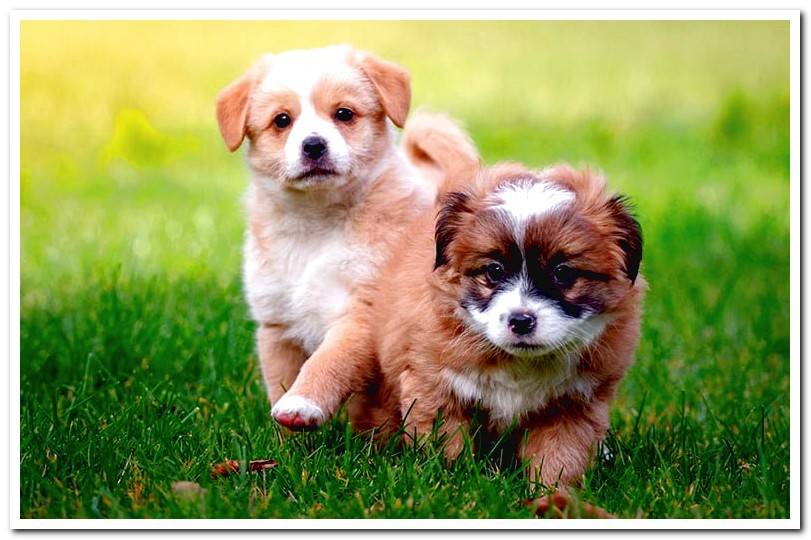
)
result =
(522, 201)
(525, 385)
(309, 123)
(304, 281)
(311, 262)
(299, 69)
(301, 406)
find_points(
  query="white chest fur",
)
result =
(303, 274)
(527, 384)
(302, 265)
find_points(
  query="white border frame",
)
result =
(16, 17)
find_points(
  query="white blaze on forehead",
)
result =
(300, 70)
(524, 200)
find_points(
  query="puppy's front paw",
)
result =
(298, 413)
(560, 505)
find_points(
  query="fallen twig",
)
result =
(231, 466)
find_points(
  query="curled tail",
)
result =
(440, 149)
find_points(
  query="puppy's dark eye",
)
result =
(565, 275)
(494, 272)
(344, 115)
(281, 120)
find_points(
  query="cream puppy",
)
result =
(329, 192)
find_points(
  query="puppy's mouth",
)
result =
(527, 347)
(523, 348)
(316, 172)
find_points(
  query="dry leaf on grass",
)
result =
(225, 468)
(231, 466)
(259, 465)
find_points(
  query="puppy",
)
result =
(520, 303)
(329, 192)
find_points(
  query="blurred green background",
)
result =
(137, 357)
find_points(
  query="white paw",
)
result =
(297, 412)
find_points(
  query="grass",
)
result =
(138, 365)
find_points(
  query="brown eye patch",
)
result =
(475, 293)
(487, 237)
(330, 96)
(569, 262)
(267, 107)
(493, 273)
(567, 273)
(587, 295)
(483, 284)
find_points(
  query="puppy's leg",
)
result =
(419, 409)
(559, 446)
(560, 503)
(375, 409)
(279, 360)
(420, 424)
(341, 365)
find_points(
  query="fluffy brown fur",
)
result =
(413, 331)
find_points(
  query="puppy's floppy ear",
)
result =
(232, 109)
(392, 83)
(629, 234)
(448, 221)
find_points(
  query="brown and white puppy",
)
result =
(521, 301)
(329, 192)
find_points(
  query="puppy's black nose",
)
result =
(521, 324)
(314, 147)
